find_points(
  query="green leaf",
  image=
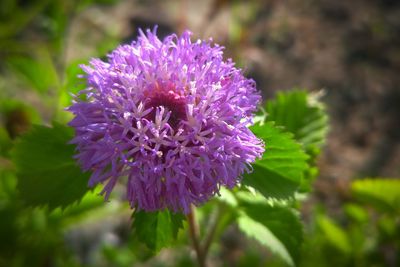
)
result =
(254, 197)
(280, 171)
(19, 18)
(38, 72)
(356, 212)
(5, 142)
(334, 234)
(278, 228)
(301, 114)
(81, 5)
(227, 196)
(383, 194)
(157, 229)
(72, 84)
(47, 173)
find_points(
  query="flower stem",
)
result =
(194, 235)
(212, 229)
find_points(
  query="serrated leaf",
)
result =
(301, 114)
(383, 194)
(278, 228)
(280, 171)
(47, 173)
(157, 229)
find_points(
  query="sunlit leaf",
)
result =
(334, 234)
(302, 114)
(278, 228)
(383, 194)
(280, 171)
(356, 212)
(227, 196)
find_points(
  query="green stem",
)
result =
(194, 235)
(213, 227)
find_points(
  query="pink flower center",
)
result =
(164, 94)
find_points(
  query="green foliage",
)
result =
(18, 18)
(275, 227)
(119, 256)
(356, 212)
(301, 114)
(10, 105)
(73, 83)
(334, 234)
(85, 3)
(38, 72)
(357, 235)
(381, 193)
(293, 131)
(157, 229)
(5, 142)
(280, 171)
(36, 237)
(47, 173)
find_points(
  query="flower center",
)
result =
(164, 94)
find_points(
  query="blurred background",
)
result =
(348, 50)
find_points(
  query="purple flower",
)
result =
(171, 117)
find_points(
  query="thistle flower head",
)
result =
(171, 116)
